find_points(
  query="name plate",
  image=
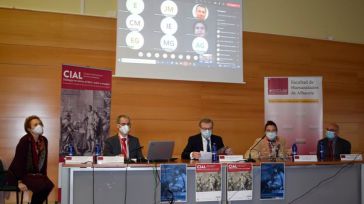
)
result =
(230, 158)
(351, 157)
(110, 159)
(305, 158)
(78, 159)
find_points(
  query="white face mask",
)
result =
(124, 130)
(206, 133)
(37, 130)
(271, 135)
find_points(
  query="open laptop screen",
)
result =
(160, 150)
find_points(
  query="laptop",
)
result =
(159, 151)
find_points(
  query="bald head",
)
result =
(333, 127)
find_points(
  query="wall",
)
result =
(319, 19)
(34, 45)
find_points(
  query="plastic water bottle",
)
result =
(97, 152)
(71, 150)
(322, 151)
(294, 151)
(214, 152)
(97, 149)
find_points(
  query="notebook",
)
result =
(160, 150)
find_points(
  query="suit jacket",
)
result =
(341, 146)
(112, 147)
(195, 144)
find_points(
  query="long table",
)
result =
(138, 183)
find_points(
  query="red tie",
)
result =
(123, 147)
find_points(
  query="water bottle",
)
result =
(294, 151)
(322, 151)
(214, 152)
(71, 150)
(97, 149)
(97, 152)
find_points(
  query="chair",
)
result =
(10, 188)
(6, 187)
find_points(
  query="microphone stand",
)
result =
(250, 159)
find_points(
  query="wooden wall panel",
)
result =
(34, 45)
(57, 30)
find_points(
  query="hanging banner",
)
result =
(85, 109)
(295, 105)
(239, 181)
(208, 182)
(173, 183)
(272, 183)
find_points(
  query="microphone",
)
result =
(250, 159)
(128, 160)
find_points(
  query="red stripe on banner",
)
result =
(61, 159)
(59, 195)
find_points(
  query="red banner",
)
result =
(85, 78)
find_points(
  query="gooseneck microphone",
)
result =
(250, 159)
(128, 160)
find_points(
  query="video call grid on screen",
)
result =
(198, 40)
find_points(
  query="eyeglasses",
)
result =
(206, 128)
(332, 130)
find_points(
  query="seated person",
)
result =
(122, 143)
(203, 141)
(29, 166)
(270, 146)
(333, 144)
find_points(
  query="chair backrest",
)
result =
(1, 165)
(2, 174)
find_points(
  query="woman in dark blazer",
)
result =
(29, 166)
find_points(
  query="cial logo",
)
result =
(72, 74)
(199, 166)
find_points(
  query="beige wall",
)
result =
(318, 19)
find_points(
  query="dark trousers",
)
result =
(40, 185)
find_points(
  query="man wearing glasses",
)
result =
(333, 144)
(204, 141)
(122, 143)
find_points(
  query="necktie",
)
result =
(123, 147)
(208, 146)
(331, 151)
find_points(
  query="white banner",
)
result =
(295, 105)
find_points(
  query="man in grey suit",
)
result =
(122, 143)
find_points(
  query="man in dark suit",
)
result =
(122, 143)
(333, 144)
(203, 141)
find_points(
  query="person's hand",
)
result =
(225, 151)
(196, 155)
(22, 186)
(228, 151)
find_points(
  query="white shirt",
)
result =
(204, 145)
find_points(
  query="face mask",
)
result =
(124, 129)
(330, 135)
(37, 130)
(271, 135)
(206, 133)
